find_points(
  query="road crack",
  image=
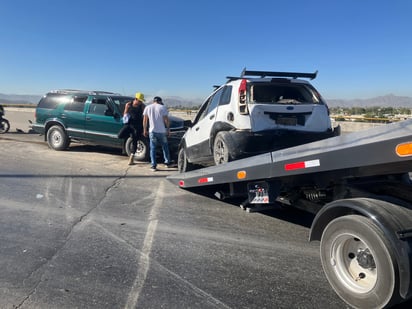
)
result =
(67, 236)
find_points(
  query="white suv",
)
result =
(252, 114)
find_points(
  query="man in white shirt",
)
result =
(155, 116)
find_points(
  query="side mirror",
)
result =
(187, 123)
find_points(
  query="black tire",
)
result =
(183, 165)
(57, 138)
(4, 126)
(337, 130)
(359, 262)
(221, 150)
(142, 151)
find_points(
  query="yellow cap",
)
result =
(140, 96)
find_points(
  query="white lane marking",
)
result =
(144, 261)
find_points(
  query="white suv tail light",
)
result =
(243, 110)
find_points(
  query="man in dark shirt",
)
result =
(135, 111)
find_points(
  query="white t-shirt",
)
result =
(156, 112)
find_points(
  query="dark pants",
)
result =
(133, 132)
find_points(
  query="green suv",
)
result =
(92, 117)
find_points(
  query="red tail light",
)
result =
(242, 92)
(242, 97)
(242, 87)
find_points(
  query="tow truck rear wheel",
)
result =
(359, 263)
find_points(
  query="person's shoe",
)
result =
(169, 164)
(131, 162)
(153, 169)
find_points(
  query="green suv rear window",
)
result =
(51, 101)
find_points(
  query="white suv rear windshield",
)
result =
(282, 94)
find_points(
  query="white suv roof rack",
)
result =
(263, 74)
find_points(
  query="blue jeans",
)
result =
(155, 139)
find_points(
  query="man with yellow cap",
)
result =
(135, 111)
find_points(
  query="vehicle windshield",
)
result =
(282, 94)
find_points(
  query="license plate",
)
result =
(258, 193)
(287, 121)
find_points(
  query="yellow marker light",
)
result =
(404, 149)
(241, 175)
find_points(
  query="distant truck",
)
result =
(358, 185)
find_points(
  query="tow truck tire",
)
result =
(359, 262)
(183, 165)
(221, 151)
(57, 138)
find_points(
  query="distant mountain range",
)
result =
(172, 101)
(19, 99)
(389, 100)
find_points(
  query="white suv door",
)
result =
(197, 137)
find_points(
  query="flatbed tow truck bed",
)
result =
(360, 189)
(364, 153)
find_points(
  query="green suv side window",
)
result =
(76, 105)
(98, 107)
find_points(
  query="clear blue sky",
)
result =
(361, 48)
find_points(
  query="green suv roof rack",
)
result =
(92, 92)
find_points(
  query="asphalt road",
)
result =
(82, 229)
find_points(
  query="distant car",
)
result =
(254, 113)
(92, 117)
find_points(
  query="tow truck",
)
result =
(359, 187)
